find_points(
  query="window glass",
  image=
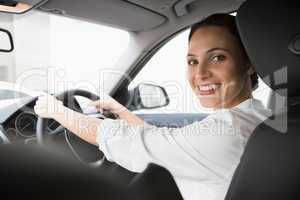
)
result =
(54, 53)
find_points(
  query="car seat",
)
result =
(270, 165)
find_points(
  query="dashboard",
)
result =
(18, 123)
(21, 128)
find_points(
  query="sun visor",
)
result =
(116, 13)
(270, 31)
(19, 6)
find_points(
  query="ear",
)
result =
(250, 70)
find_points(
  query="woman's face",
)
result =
(216, 71)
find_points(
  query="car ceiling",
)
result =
(133, 15)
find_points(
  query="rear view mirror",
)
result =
(6, 42)
(19, 6)
(148, 96)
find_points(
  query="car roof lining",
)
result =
(130, 15)
(120, 14)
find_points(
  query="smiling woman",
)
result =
(219, 70)
(201, 155)
(62, 45)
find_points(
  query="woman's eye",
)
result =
(192, 62)
(218, 58)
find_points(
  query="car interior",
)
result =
(269, 167)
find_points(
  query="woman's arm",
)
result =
(131, 118)
(86, 127)
(110, 104)
(81, 125)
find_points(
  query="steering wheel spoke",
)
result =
(56, 131)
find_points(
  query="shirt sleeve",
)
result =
(205, 150)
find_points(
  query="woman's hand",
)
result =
(48, 106)
(107, 103)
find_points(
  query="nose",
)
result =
(202, 71)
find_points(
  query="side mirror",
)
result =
(148, 96)
(6, 41)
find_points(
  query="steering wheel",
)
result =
(83, 151)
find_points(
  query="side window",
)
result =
(168, 68)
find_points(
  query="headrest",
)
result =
(270, 32)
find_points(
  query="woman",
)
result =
(202, 156)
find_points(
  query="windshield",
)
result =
(54, 53)
(9, 94)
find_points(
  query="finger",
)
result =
(35, 108)
(39, 103)
(39, 111)
(42, 99)
(98, 103)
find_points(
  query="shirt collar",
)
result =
(250, 104)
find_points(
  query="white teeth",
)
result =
(208, 87)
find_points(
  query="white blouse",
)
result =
(202, 156)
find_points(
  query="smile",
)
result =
(208, 89)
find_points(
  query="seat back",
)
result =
(270, 165)
(154, 183)
(37, 173)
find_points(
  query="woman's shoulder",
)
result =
(251, 108)
(249, 113)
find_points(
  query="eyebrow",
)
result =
(218, 48)
(213, 49)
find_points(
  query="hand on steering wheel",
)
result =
(49, 106)
(107, 104)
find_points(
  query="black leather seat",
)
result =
(29, 172)
(270, 165)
